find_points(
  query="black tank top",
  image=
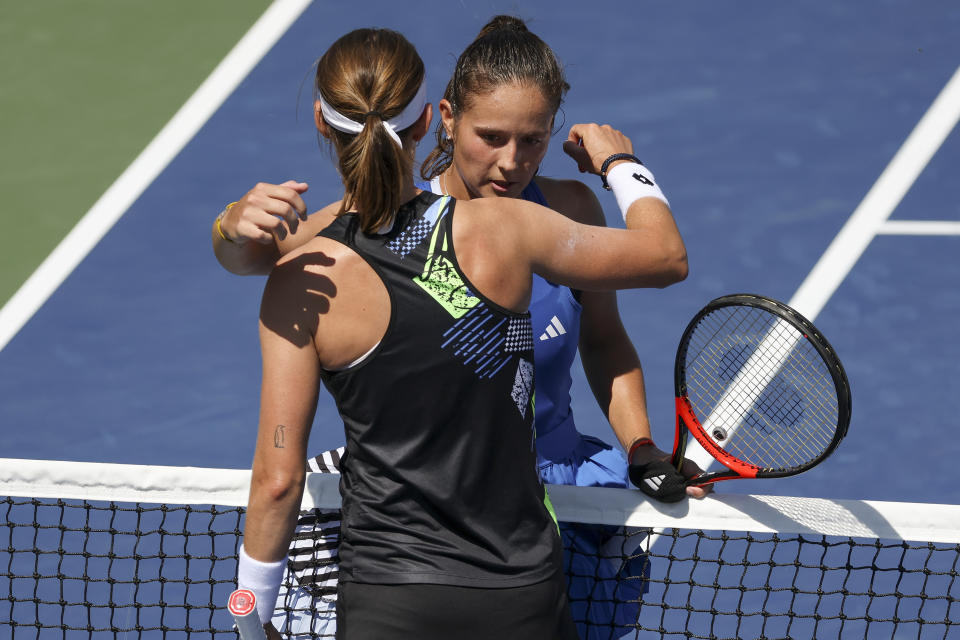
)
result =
(439, 481)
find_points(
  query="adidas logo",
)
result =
(554, 329)
(654, 482)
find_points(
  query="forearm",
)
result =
(616, 379)
(628, 408)
(271, 517)
(279, 461)
(247, 258)
(655, 219)
(272, 512)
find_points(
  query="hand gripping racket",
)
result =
(243, 605)
(760, 389)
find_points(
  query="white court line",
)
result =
(920, 228)
(149, 164)
(890, 188)
(870, 217)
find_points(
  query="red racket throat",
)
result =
(687, 423)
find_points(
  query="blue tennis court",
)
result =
(767, 124)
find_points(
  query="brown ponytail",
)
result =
(370, 75)
(504, 51)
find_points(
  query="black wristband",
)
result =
(614, 158)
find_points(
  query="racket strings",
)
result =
(776, 404)
(759, 442)
(766, 393)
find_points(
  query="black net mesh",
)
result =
(78, 569)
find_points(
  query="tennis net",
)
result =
(129, 551)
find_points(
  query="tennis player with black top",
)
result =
(411, 309)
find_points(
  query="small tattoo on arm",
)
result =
(278, 437)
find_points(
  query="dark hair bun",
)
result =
(502, 23)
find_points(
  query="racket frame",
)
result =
(688, 423)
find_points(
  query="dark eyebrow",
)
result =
(493, 130)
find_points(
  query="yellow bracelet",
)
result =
(216, 224)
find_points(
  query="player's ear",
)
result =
(446, 116)
(322, 126)
(422, 126)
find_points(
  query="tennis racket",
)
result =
(243, 606)
(760, 389)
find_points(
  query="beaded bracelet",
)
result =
(614, 158)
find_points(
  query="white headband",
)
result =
(400, 122)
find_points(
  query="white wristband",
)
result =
(631, 181)
(263, 579)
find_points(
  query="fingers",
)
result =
(281, 200)
(296, 201)
(260, 214)
(690, 471)
(299, 187)
(596, 143)
(699, 493)
(579, 155)
(258, 226)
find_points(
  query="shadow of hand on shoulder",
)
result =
(296, 294)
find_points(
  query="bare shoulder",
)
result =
(316, 252)
(303, 277)
(307, 229)
(298, 292)
(493, 214)
(573, 199)
(495, 206)
(492, 228)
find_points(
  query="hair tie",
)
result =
(407, 117)
(373, 113)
